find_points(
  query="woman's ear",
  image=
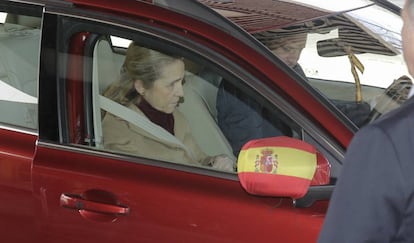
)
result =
(139, 87)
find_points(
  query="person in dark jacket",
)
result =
(374, 197)
(242, 118)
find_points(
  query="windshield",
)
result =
(354, 59)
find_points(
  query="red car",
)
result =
(60, 183)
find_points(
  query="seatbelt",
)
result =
(140, 121)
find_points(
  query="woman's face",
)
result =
(167, 90)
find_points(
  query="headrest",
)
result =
(22, 21)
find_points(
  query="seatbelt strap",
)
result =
(140, 121)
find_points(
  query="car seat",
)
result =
(25, 22)
(199, 109)
(105, 71)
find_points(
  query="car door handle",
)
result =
(75, 201)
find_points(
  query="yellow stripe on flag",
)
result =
(289, 161)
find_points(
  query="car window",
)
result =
(109, 116)
(212, 105)
(352, 59)
(19, 61)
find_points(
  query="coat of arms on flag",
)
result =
(267, 162)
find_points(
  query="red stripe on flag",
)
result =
(281, 141)
(263, 184)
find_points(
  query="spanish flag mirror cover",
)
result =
(281, 166)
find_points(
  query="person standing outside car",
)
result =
(240, 117)
(151, 86)
(374, 197)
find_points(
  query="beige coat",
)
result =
(120, 135)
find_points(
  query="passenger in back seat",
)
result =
(151, 85)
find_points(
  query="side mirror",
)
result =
(281, 167)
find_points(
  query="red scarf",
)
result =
(160, 118)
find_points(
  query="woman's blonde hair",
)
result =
(140, 64)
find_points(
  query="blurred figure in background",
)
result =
(242, 118)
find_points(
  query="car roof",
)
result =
(235, 17)
(240, 18)
(257, 16)
(252, 16)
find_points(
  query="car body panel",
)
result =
(192, 202)
(18, 204)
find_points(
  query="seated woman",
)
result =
(151, 85)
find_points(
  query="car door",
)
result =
(19, 46)
(87, 192)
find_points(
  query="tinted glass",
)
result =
(19, 61)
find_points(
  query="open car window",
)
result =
(121, 128)
(101, 122)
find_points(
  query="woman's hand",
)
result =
(224, 163)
